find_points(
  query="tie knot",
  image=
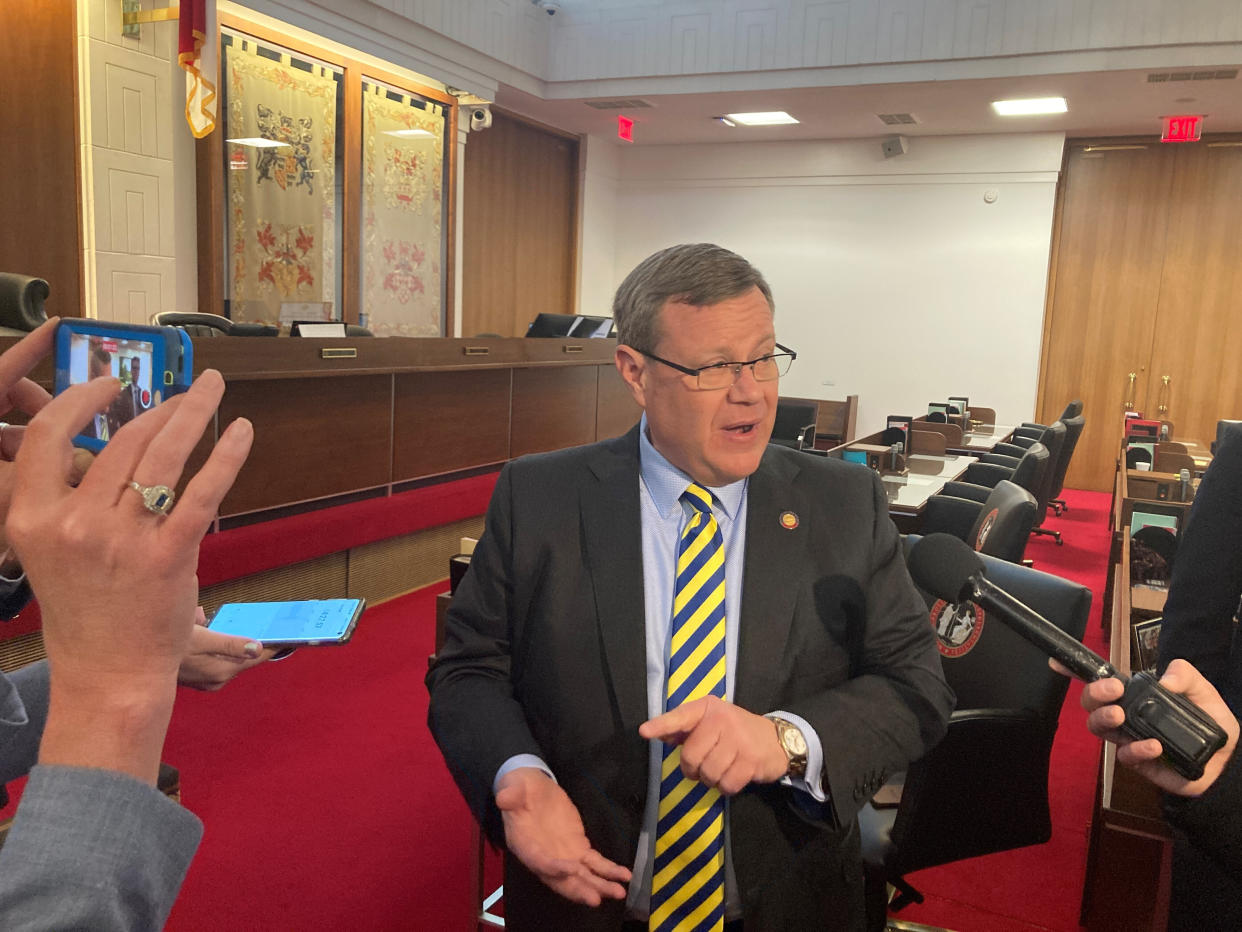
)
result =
(698, 498)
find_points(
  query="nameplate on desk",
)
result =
(575, 348)
(338, 352)
(475, 350)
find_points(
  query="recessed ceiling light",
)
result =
(406, 133)
(1030, 107)
(764, 118)
(258, 142)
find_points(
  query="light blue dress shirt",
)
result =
(663, 516)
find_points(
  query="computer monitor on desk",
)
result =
(569, 325)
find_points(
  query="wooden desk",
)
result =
(983, 438)
(1129, 849)
(398, 411)
(925, 476)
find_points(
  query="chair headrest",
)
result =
(21, 301)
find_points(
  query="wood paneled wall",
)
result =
(39, 186)
(519, 228)
(1146, 283)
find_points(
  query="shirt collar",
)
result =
(665, 482)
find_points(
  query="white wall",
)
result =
(893, 279)
(597, 228)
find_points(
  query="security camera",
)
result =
(480, 118)
(551, 7)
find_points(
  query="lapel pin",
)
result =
(789, 520)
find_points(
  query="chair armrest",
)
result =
(971, 492)
(999, 459)
(1010, 449)
(951, 515)
(986, 474)
(1032, 428)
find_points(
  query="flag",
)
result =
(198, 55)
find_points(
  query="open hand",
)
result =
(544, 831)
(722, 744)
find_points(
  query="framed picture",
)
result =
(1146, 639)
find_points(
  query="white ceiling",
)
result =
(1101, 103)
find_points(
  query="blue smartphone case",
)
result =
(172, 362)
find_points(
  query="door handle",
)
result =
(1162, 408)
(1129, 401)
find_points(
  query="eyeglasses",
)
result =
(723, 374)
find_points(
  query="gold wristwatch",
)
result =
(794, 746)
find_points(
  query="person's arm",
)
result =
(1206, 582)
(482, 730)
(1209, 809)
(890, 713)
(897, 704)
(94, 844)
(24, 696)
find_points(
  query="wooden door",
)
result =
(519, 226)
(1109, 242)
(1198, 336)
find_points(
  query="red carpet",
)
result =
(327, 805)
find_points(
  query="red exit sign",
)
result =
(1182, 128)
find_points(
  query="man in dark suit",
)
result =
(641, 762)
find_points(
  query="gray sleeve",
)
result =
(23, 712)
(93, 849)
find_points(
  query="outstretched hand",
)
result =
(544, 831)
(1105, 717)
(722, 744)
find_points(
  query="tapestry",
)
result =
(281, 190)
(402, 167)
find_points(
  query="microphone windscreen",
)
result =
(942, 565)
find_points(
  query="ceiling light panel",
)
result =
(1033, 106)
(762, 118)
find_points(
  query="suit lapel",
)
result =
(612, 529)
(773, 556)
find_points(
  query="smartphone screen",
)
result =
(94, 356)
(316, 621)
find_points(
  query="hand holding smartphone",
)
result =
(303, 623)
(152, 363)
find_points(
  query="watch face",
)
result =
(795, 742)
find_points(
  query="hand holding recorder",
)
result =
(1106, 720)
(1187, 735)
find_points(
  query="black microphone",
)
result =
(1184, 476)
(948, 569)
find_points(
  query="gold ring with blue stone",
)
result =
(157, 499)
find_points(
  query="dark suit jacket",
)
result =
(1206, 583)
(545, 654)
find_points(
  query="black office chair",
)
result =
(984, 788)
(937, 417)
(1073, 409)
(197, 324)
(21, 303)
(795, 424)
(999, 526)
(1052, 437)
(194, 323)
(1135, 456)
(1073, 431)
(1026, 472)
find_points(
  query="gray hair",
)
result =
(698, 274)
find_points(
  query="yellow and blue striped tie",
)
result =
(687, 884)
